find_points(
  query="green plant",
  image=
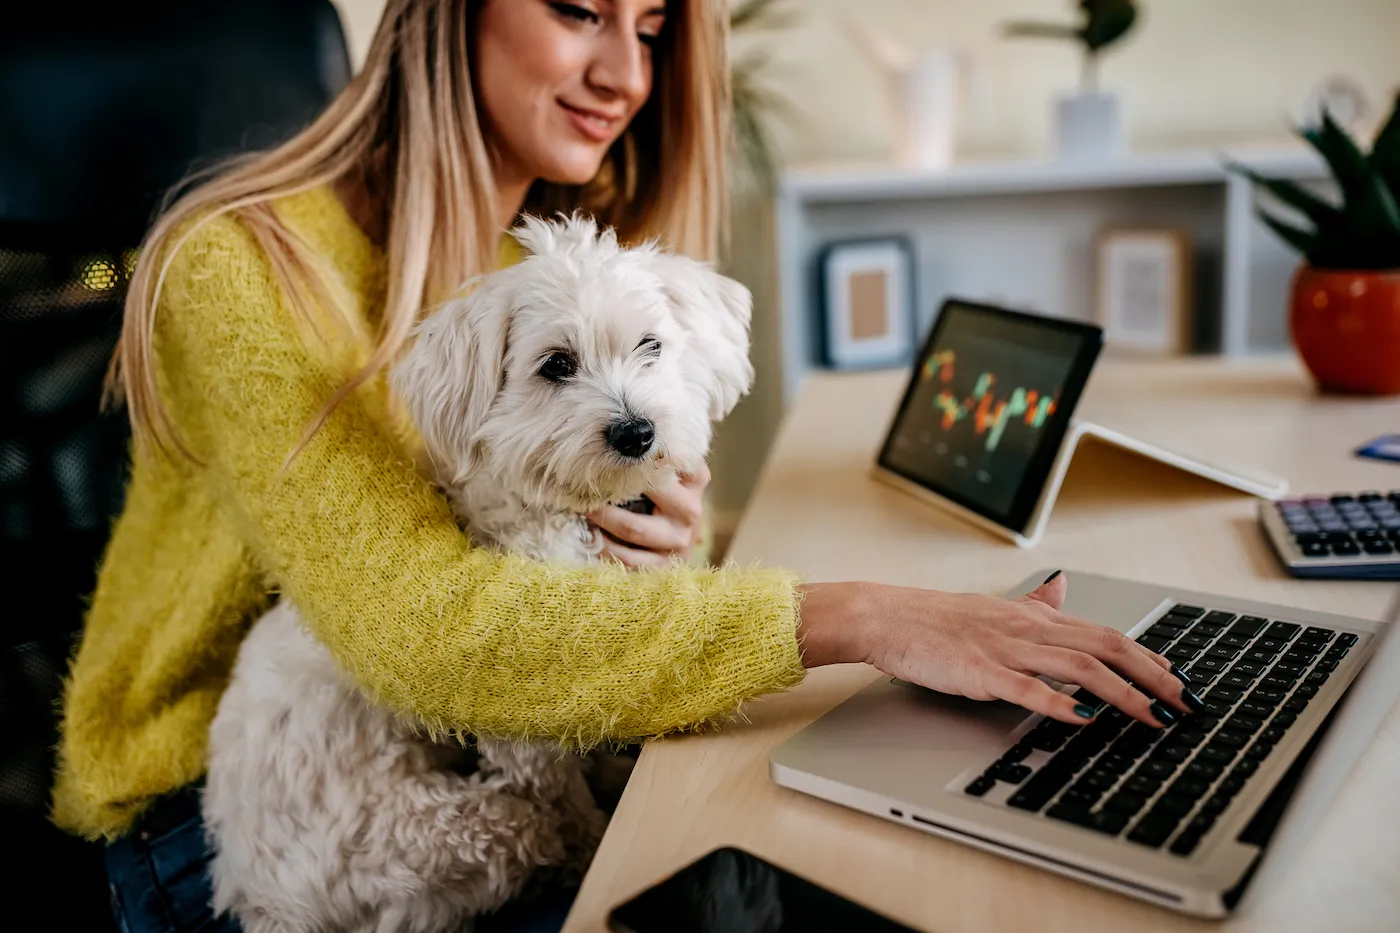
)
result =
(754, 103)
(1361, 232)
(1105, 22)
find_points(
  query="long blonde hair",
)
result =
(409, 121)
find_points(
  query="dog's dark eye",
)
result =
(650, 347)
(558, 366)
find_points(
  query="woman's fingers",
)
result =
(652, 532)
(1036, 696)
(633, 558)
(1075, 667)
(1149, 671)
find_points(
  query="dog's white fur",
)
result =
(327, 812)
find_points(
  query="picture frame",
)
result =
(1143, 289)
(867, 299)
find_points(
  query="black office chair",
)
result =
(100, 114)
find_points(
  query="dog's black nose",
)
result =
(632, 437)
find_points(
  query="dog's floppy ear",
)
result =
(715, 310)
(453, 372)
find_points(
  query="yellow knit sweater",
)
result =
(460, 637)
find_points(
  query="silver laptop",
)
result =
(1180, 817)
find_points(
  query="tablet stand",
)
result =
(1254, 483)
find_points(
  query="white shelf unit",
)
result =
(1022, 234)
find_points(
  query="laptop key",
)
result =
(1188, 787)
(1017, 752)
(1142, 784)
(1258, 751)
(1194, 640)
(1305, 690)
(1248, 626)
(1246, 767)
(1296, 704)
(1267, 696)
(1153, 829)
(1215, 805)
(1190, 612)
(1207, 628)
(1043, 785)
(979, 786)
(1217, 707)
(1158, 769)
(1079, 816)
(1231, 640)
(1206, 770)
(1174, 805)
(1009, 772)
(1229, 740)
(1347, 639)
(1283, 630)
(1125, 803)
(1227, 694)
(1110, 821)
(1250, 708)
(1244, 725)
(1223, 651)
(1153, 642)
(1252, 668)
(1223, 754)
(1283, 719)
(1242, 681)
(1183, 654)
(1218, 617)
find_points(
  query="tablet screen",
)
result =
(987, 406)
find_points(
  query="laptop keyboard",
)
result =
(1167, 787)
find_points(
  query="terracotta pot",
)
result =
(1346, 326)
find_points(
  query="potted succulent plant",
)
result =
(1087, 124)
(1346, 293)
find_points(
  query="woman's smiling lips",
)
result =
(595, 125)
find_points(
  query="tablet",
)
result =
(987, 407)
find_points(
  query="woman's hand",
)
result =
(672, 530)
(988, 648)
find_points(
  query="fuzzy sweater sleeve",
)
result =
(460, 637)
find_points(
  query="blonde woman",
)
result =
(269, 459)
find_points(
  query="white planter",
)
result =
(1089, 126)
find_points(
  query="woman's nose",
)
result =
(621, 67)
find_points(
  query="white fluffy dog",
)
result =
(586, 374)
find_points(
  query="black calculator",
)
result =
(1342, 536)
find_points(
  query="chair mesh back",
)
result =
(102, 110)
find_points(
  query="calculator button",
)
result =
(1340, 498)
(1369, 495)
(1360, 524)
(1377, 547)
(1346, 548)
(1315, 549)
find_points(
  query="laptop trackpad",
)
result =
(902, 739)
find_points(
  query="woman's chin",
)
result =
(572, 170)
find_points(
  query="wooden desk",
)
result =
(816, 510)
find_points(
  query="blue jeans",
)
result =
(159, 878)
(159, 871)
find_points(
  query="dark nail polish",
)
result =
(1052, 576)
(1181, 675)
(1161, 713)
(1190, 699)
(1085, 710)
